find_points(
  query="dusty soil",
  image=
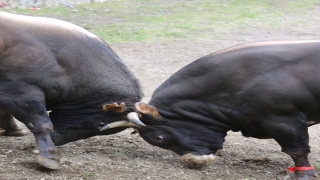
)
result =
(127, 156)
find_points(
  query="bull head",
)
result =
(132, 118)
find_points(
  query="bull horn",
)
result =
(134, 118)
(124, 123)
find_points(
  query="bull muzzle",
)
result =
(197, 161)
(131, 121)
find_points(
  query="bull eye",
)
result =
(159, 138)
(101, 124)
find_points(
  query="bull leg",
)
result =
(301, 160)
(292, 135)
(34, 115)
(8, 124)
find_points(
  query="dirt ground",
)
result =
(127, 156)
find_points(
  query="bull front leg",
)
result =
(291, 132)
(45, 149)
(302, 169)
(34, 115)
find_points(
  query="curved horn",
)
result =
(134, 118)
(124, 123)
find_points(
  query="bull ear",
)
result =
(115, 108)
(147, 109)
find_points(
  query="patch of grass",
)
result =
(121, 155)
(28, 158)
(316, 165)
(155, 20)
(88, 175)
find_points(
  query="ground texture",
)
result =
(127, 156)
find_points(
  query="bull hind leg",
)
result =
(8, 123)
(292, 135)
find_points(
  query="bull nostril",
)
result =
(193, 165)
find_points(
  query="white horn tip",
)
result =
(104, 128)
(134, 118)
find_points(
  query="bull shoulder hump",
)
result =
(264, 44)
(43, 23)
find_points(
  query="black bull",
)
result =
(263, 89)
(52, 65)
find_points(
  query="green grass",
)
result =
(155, 20)
(88, 175)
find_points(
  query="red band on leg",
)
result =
(306, 168)
(291, 169)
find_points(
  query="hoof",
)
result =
(13, 133)
(47, 163)
(304, 175)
